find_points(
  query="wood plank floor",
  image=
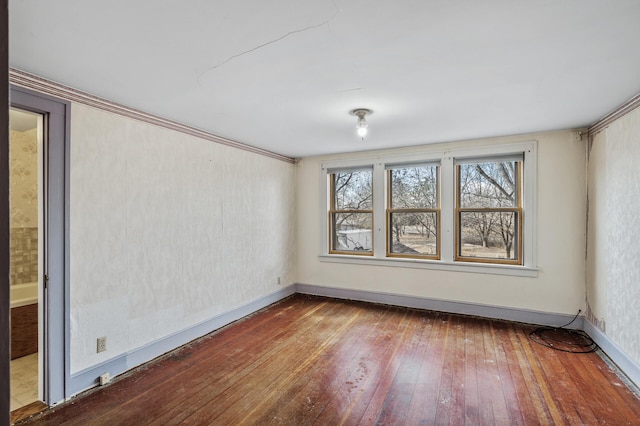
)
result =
(310, 360)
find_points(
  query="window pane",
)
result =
(414, 187)
(352, 232)
(489, 185)
(353, 190)
(490, 235)
(413, 233)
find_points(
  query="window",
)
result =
(489, 210)
(351, 212)
(470, 209)
(413, 211)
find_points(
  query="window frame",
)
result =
(390, 210)
(518, 210)
(445, 154)
(333, 211)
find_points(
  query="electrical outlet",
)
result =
(279, 281)
(102, 344)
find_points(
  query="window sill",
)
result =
(478, 268)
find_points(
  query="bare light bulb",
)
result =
(362, 126)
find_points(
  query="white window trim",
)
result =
(447, 206)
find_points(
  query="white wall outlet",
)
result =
(279, 281)
(101, 344)
(104, 379)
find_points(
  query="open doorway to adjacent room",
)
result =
(38, 184)
(27, 237)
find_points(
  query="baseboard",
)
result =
(88, 378)
(629, 367)
(486, 311)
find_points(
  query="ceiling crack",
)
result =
(350, 90)
(231, 58)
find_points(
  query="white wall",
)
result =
(168, 230)
(613, 270)
(561, 201)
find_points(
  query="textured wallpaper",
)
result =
(597, 233)
(623, 227)
(23, 155)
(24, 178)
(168, 230)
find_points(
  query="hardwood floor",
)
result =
(311, 360)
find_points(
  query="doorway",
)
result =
(39, 254)
(26, 248)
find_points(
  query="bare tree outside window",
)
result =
(351, 212)
(489, 211)
(413, 210)
(457, 209)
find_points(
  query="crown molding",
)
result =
(30, 81)
(622, 110)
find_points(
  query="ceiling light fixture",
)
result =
(362, 126)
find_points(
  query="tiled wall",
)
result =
(24, 255)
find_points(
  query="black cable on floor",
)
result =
(564, 339)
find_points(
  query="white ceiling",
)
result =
(283, 75)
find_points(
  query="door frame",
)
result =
(5, 332)
(55, 299)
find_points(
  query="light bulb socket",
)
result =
(361, 112)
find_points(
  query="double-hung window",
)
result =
(489, 210)
(468, 209)
(351, 211)
(413, 211)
